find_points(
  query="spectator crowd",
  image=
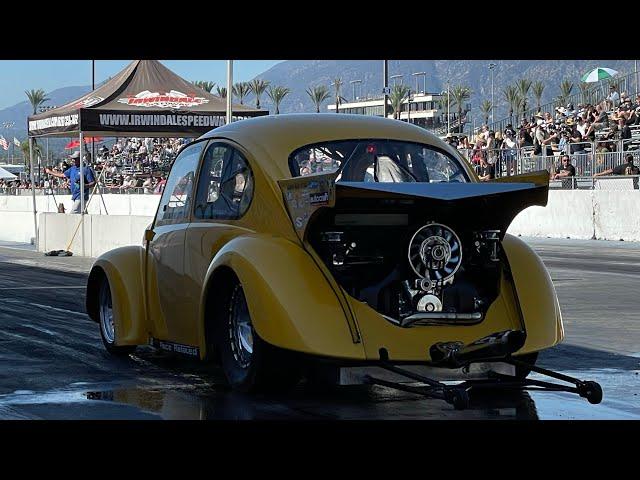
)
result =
(572, 131)
(129, 165)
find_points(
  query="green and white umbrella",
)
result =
(598, 74)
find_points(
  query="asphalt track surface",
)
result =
(53, 364)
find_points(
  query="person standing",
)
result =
(73, 174)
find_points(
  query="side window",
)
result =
(177, 197)
(225, 187)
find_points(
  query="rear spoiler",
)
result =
(496, 202)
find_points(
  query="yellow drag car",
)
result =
(341, 247)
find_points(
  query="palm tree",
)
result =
(523, 85)
(485, 107)
(537, 88)
(258, 86)
(37, 98)
(337, 84)
(565, 90)
(204, 85)
(318, 95)
(584, 90)
(399, 94)
(459, 95)
(222, 92)
(512, 97)
(276, 94)
(241, 90)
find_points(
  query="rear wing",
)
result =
(493, 203)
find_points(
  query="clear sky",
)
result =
(16, 76)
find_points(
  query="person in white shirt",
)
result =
(614, 98)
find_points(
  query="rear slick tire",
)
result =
(249, 363)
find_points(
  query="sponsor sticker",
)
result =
(178, 348)
(89, 101)
(173, 99)
(319, 198)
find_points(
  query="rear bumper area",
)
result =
(475, 371)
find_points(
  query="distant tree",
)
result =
(459, 95)
(258, 86)
(537, 88)
(523, 85)
(399, 93)
(222, 92)
(36, 98)
(277, 94)
(204, 85)
(512, 97)
(337, 85)
(485, 107)
(584, 90)
(318, 95)
(566, 87)
(241, 90)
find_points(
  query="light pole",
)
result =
(353, 84)
(394, 77)
(229, 89)
(491, 67)
(424, 75)
(47, 159)
(385, 86)
(448, 108)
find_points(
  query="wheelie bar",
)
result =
(458, 395)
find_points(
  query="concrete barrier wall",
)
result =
(113, 204)
(616, 215)
(16, 227)
(567, 214)
(101, 232)
(582, 214)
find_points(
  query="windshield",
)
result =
(377, 161)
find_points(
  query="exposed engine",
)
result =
(412, 274)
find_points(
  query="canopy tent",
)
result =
(5, 175)
(146, 99)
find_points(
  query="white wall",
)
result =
(582, 214)
(113, 204)
(101, 232)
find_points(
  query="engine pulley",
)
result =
(435, 252)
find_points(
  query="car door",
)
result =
(164, 279)
(224, 193)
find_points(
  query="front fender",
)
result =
(536, 294)
(124, 269)
(291, 303)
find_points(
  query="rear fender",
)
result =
(124, 269)
(536, 295)
(292, 305)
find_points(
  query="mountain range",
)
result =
(298, 75)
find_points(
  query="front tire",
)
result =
(106, 321)
(249, 363)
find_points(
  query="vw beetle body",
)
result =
(278, 242)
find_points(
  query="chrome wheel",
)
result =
(240, 329)
(106, 313)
